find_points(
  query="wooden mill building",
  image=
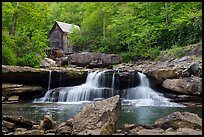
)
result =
(58, 39)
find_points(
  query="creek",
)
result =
(140, 103)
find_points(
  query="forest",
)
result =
(132, 30)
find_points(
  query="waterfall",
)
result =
(89, 91)
(50, 77)
(143, 80)
(113, 84)
(98, 86)
(143, 95)
(143, 91)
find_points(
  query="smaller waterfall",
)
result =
(50, 77)
(143, 80)
(113, 85)
(143, 95)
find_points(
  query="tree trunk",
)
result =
(15, 15)
(104, 25)
(167, 12)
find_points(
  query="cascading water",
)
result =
(98, 86)
(113, 84)
(89, 91)
(49, 81)
(143, 95)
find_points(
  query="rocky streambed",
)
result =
(100, 118)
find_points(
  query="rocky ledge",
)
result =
(185, 71)
(18, 80)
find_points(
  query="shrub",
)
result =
(127, 56)
(8, 56)
(29, 59)
(154, 53)
(175, 51)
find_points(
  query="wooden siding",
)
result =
(59, 39)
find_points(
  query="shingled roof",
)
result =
(65, 27)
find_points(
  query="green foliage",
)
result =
(175, 51)
(31, 31)
(8, 46)
(8, 56)
(127, 56)
(29, 59)
(133, 30)
(154, 52)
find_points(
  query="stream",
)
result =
(140, 103)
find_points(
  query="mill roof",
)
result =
(65, 27)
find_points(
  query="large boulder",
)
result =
(180, 120)
(98, 118)
(89, 59)
(188, 85)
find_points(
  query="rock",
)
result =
(150, 132)
(13, 98)
(8, 125)
(22, 80)
(47, 62)
(188, 85)
(30, 132)
(3, 98)
(195, 69)
(185, 131)
(19, 121)
(98, 118)
(158, 131)
(90, 59)
(4, 130)
(47, 124)
(162, 74)
(36, 127)
(20, 130)
(180, 120)
(49, 134)
(23, 89)
(65, 128)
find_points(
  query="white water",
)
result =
(95, 88)
(49, 81)
(113, 84)
(143, 95)
(88, 91)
